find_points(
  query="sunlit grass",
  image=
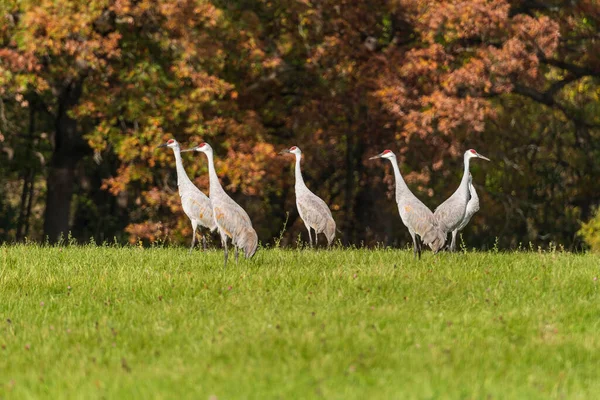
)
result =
(91, 322)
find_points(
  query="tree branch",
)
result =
(547, 98)
(558, 85)
(533, 94)
(529, 7)
(576, 70)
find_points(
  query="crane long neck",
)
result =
(182, 177)
(298, 172)
(464, 183)
(215, 185)
(401, 186)
(473, 193)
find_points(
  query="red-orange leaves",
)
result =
(446, 21)
(537, 34)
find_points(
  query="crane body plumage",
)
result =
(313, 211)
(196, 205)
(472, 208)
(450, 214)
(415, 215)
(231, 219)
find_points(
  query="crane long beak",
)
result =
(162, 145)
(485, 158)
(186, 150)
(375, 157)
(286, 151)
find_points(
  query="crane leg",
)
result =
(194, 226)
(309, 235)
(224, 242)
(453, 243)
(204, 241)
(236, 254)
(414, 238)
(316, 238)
(418, 246)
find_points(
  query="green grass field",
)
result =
(101, 322)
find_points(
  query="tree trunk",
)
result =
(29, 204)
(353, 168)
(68, 150)
(28, 179)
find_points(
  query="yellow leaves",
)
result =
(155, 121)
(65, 29)
(207, 87)
(121, 7)
(98, 142)
(272, 62)
(246, 165)
(149, 230)
(129, 148)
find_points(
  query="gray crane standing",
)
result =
(472, 208)
(451, 213)
(414, 214)
(312, 209)
(196, 205)
(233, 222)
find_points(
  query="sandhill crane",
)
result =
(414, 214)
(472, 208)
(196, 205)
(233, 222)
(312, 209)
(451, 212)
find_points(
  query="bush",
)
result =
(590, 232)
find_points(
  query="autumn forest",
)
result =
(88, 90)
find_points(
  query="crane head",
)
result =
(384, 154)
(172, 143)
(203, 147)
(291, 150)
(472, 153)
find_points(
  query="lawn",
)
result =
(107, 322)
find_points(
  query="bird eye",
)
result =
(293, 148)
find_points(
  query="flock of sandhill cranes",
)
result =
(220, 212)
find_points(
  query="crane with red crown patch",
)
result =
(414, 214)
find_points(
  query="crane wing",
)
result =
(473, 204)
(231, 218)
(197, 205)
(235, 223)
(416, 217)
(314, 211)
(450, 214)
(200, 209)
(472, 208)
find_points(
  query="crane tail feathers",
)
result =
(435, 239)
(330, 231)
(248, 241)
